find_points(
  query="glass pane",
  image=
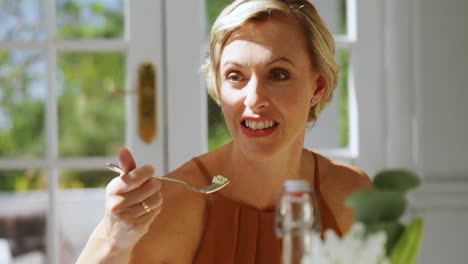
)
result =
(218, 133)
(23, 216)
(213, 8)
(22, 95)
(334, 14)
(89, 19)
(73, 179)
(22, 20)
(91, 116)
(342, 57)
(80, 209)
(332, 127)
(332, 11)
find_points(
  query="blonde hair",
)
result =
(319, 41)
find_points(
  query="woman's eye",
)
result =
(234, 77)
(279, 76)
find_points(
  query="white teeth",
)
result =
(259, 125)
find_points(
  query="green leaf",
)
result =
(97, 8)
(407, 248)
(396, 180)
(371, 206)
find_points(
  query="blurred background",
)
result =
(69, 79)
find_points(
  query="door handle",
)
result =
(147, 102)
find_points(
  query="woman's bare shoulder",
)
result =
(343, 176)
(338, 181)
(181, 221)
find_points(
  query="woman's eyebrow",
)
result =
(274, 60)
(231, 62)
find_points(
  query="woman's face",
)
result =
(267, 86)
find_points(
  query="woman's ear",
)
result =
(320, 89)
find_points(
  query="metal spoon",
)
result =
(213, 187)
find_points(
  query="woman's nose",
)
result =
(255, 97)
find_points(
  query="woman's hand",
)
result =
(133, 200)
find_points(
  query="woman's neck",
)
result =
(257, 181)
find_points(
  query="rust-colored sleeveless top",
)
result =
(237, 233)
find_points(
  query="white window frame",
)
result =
(347, 42)
(186, 94)
(384, 77)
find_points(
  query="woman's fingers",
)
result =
(134, 194)
(133, 201)
(130, 181)
(143, 222)
(136, 177)
(151, 205)
(126, 160)
(139, 214)
(143, 192)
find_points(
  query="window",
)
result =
(67, 104)
(335, 133)
(218, 133)
(59, 121)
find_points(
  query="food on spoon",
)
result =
(219, 180)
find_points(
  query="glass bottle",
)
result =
(297, 222)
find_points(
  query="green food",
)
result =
(219, 180)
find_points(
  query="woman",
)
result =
(271, 69)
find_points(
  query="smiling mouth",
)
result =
(259, 125)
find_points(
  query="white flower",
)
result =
(354, 248)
